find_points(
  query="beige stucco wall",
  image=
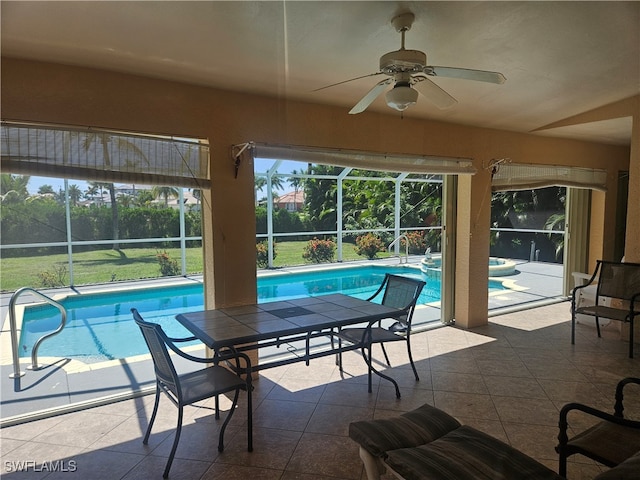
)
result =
(41, 92)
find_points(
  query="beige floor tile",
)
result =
(272, 449)
(537, 441)
(349, 393)
(80, 429)
(283, 414)
(334, 419)
(508, 379)
(466, 405)
(326, 455)
(530, 411)
(458, 382)
(240, 472)
(525, 387)
(153, 467)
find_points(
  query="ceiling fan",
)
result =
(408, 72)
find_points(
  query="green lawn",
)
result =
(102, 266)
(98, 266)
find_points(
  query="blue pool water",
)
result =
(100, 326)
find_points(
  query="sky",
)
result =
(261, 165)
(57, 183)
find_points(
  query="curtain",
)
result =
(355, 159)
(510, 176)
(103, 156)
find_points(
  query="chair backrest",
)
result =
(619, 280)
(402, 293)
(155, 338)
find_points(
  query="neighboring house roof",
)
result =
(188, 197)
(291, 197)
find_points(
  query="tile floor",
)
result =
(508, 378)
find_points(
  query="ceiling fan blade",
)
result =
(466, 74)
(433, 92)
(346, 81)
(368, 99)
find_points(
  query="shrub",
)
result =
(168, 266)
(417, 243)
(56, 277)
(262, 253)
(369, 245)
(319, 251)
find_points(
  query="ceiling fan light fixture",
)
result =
(401, 97)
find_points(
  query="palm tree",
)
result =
(276, 183)
(44, 189)
(74, 193)
(296, 182)
(125, 200)
(94, 189)
(16, 183)
(556, 222)
(124, 146)
(165, 192)
(260, 183)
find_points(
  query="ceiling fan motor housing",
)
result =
(411, 61)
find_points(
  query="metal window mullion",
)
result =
(270, 248)
(69, 235)
(339, 205)
(183, 243)
(396, 213)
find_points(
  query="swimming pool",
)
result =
(100, 326)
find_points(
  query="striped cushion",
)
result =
(420, 426)
(627, 470)
(465, 454)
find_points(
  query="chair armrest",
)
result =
(185, 339)
(217, 358)
(585, 276)
(581, 277)
(564, 412)
(619, 408)
(380, 288)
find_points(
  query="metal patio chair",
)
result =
(617, 296)
(397, 292)
(192, 387)
(610, 441)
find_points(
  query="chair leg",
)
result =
(413, 365)
(573, 327)
(598, 327)
(371, 369)
(234, 403)
(386, 357)
(175, 443)
(145, 440)
(367, 359)
(339, 356)
(562, 465)
(217, 406)
(249, 419)
(631, 337)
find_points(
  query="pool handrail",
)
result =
(406, 247)
(14, 331)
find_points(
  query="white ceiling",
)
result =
(560, 58)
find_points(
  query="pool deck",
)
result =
(65, 385)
